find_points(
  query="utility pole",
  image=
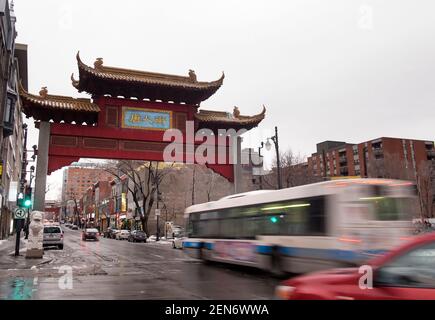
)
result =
(193, 185)
(278, 161)
(158, 213)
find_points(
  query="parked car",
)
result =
(74, 227)
(404, 273)
(177, 241)
(137, 236)
(90, 233)
(52, 236)
(122, 235)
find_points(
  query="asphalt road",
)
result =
(113, 269)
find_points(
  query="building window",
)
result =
(9, 111)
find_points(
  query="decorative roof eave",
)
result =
(223, 120)
(142, 84)
(47, 107)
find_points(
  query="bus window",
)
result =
(251, 226)
(229, 228)
(391, 209)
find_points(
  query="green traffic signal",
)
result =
(274, 219)
(27, 203)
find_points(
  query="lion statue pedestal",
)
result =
(35, 249)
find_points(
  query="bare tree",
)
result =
(144, 180)
(294, 171)
(388, 167)
(210, 184)
(76, 212)
(425, 186)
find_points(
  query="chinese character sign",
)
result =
(146, 119)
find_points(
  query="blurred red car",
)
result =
(405, 273)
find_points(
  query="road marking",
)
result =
(156, 255)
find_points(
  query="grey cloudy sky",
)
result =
(339, 70)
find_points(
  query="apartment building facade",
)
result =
(13, 157)
(379, 158)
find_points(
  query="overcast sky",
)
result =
(326, 70)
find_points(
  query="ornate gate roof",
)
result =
(103, 80)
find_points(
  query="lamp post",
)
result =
(159, 198)
(278, 162)
(260, 174)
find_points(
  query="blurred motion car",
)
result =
(90, 233)
(52, 236)
(122, 235)
(137, 236)
(74, 227)
(404, 273)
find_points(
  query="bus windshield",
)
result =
(391, 209)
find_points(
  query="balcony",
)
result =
(342, 159)
(378, 153)
(344, 171)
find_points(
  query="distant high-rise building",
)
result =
(77, 179)
(379, 158)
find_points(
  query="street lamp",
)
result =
(278, 162)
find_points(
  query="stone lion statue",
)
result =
(36, 233)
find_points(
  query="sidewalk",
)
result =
(8, 260)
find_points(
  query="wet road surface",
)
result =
(113, 269)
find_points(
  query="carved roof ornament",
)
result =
(43, 92)
(75, 82)
(236, 112)
(192, 76)
(98, 63)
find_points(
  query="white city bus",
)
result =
(305, 228)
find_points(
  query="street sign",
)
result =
(19, 213)
(157, 212)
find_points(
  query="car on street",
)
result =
(90, 234)
(122, 235)
(137, 236)
(74, 227)
(52, 236)
(405, 273)
(110, 233)
(177, 241)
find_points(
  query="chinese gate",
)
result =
(126, 118)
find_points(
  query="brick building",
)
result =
(380, 158)
(79, 177)
(13, 162)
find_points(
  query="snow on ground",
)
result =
(161, 241)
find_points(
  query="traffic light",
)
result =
(28, 197)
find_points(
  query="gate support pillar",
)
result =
(237, 166)
(42, 166)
